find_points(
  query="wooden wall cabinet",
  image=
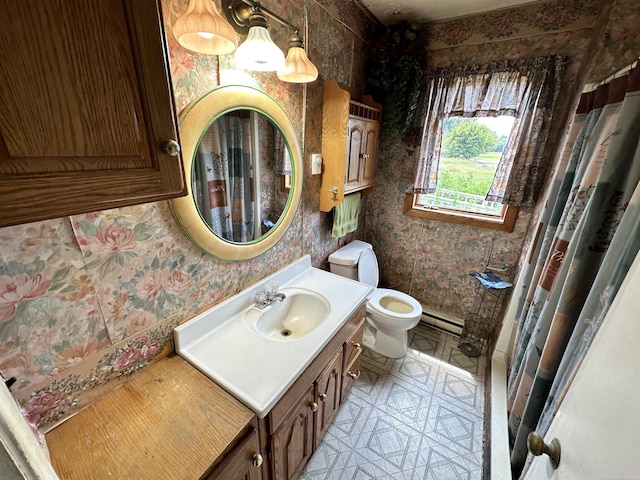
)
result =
(350, 142)
(298, 422)
(88, 119)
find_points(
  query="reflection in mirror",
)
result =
(238, 165)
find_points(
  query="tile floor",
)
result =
(418, 417)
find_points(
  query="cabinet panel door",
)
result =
(292, 444)
(86, 108)
(329, 384)
(355, 137)
(370, 155)
(350, 375)
(353, 345)
(238, 464)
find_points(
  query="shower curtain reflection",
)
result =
(224, 181)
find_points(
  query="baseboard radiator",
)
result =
(442, 321)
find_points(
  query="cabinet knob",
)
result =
(257, 460)
(171, 147)
(364, 155)
(314, 407)
(334, 190)
(357, 346)
(355, 376)
(323, 397)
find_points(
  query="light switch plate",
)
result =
(316, 164)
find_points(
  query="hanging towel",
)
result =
(345, 215)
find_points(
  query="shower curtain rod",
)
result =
(590, 87)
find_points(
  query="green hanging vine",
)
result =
(394, 76)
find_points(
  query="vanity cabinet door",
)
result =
(292, 443)
(88, 120)
(329, 385)
(352, 356)
(243, 462)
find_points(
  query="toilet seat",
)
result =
(405, 307)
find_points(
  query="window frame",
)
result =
(503, 222)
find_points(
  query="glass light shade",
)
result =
(258, 52)
(297, 67)
(202, 29)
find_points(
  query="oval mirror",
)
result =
(243, 164)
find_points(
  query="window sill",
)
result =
(503, 222)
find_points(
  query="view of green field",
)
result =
(473, 175)
(471, 151)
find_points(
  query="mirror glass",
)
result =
(243, 165)
(239, 167)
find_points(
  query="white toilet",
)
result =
(390, 313)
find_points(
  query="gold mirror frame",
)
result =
(194, 121)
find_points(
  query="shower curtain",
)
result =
(224, 185)
(585, 243)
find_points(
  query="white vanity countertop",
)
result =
(255, 369)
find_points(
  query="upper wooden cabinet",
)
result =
(88, 120)
(350, 141)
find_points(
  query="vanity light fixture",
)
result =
(249, 18)
(297, 67)
(202, 29)
(258, 52)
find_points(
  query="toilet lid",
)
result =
(368, 268)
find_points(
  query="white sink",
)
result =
(242, 348)
(301, 312)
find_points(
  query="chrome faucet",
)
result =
(267, 297)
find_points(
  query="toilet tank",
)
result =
(344, 262)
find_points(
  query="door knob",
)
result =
(537, 447)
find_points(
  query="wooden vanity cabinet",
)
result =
(88, 118)
(292, 444)
(350, 142)
(328, 393)
(352, 356)
(298, 422)
(243, 462)
(167, 421)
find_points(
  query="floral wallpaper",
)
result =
(87, 300)
(510, 24)
(431, 260)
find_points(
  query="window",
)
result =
(482, 134)
(471, 149)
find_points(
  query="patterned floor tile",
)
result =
(418, 417)
(465, 390)
(440, 466)
(327, 461)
